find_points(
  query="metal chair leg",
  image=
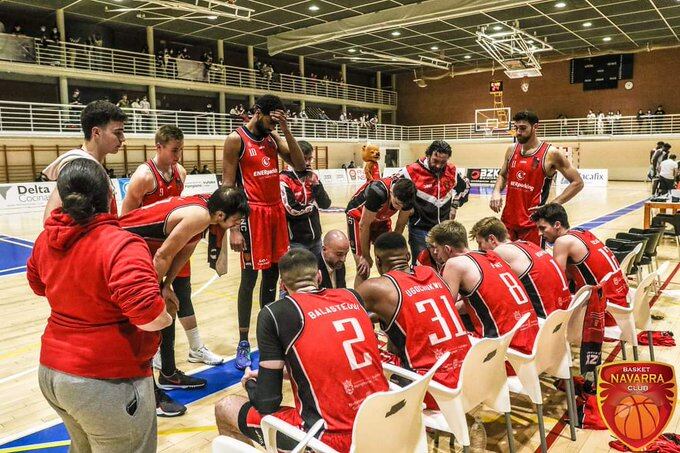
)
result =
(636, 357)
(571, 405)
(623, 350)
(452, 443)
(650, 338)
(436, 439)
(466, 449)
(677, 244)
(541, 428)
(508, 426)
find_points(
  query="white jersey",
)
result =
(52, 170)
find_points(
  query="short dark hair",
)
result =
(99, 114)
(230, 200)
(659, 143)
(268, 103)
(390, 241)
(526, 115)
(306, 147)
(667, 146)
(405, 191)
(168, 132)
(297, 262)
(84, 189)
(672, 157)
(438, 146)
(551, 213)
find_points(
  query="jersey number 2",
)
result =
(347, 344)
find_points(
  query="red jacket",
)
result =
(100, 283)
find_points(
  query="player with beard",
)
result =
(250, 161)
(528, 169)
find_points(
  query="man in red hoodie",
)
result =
(102, 331)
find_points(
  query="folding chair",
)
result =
(224, 444)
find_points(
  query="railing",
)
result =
(56, 118)
(24, 49)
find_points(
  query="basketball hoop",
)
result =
(488, 132)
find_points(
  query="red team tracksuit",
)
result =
(544, 281)
(376, 196)
(426, 325)
(165, 189)
(330, 350)
(598, 262)
(528, 186)
(498, 301)
(265, 229)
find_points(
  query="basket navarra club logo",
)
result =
(636, 400)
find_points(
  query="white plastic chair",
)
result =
(627, 262)
(635, 316)
(386, 421)
(551, 354)
(575, 325)
(224, 444)
(482, 380)
(660, 271)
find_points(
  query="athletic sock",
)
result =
(194, 337)
(243, 335)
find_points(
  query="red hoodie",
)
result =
(100, 283)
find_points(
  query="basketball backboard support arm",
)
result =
(514, 50)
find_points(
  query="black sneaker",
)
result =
(179, 380)
(166, 406)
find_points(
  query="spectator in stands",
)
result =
(343, 116)
(658, 121)
(123, 103)
(323, 116)
(351, 164)
(205, 170)
(668, 170)
(145, 107)
(136, 115)
(233, 111)
(648, 121)
(56, 36)
(210, 118)
(591, 119)
(600, 123)
(617, 122)
(194, 171)
(43, 36)
(303, 114)
(659, 110)
(75, 97)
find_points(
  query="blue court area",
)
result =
(14, 253)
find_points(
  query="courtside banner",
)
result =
(196, 184)
(636, 400)
(483, 175)
(25, 197)
(592, 177)
(333, 177)
(356, 176)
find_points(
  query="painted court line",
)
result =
(219, 378)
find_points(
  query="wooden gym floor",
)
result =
(23, 409)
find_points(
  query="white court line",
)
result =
(13, 268)
(17, 375)
(15, 237)
(16, 243)
(208, 283)
(29, 431)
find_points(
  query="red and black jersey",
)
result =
(426, 324)
(498, 301)
(425, 258)
(528, 186)
(150, 221)
(303, 195)
(598, 262)
(375, 196)
(258, 168)
(163, 189)
(544, 281)
(434, 193)
(330, 350)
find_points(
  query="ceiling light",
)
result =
(396, 33)
(607, 39)
(560, 5)
(212, 17)
(497, 28)
(351, 50)
(467, 57)
(434, 48)
(313, 8)
(587, 24)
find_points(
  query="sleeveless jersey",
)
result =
(150, 221)
(333, 359)
(426, 324)
(258, 168)
(425, 258)
(544, 281)
(164, 189)
(528, 186)
(355, 207)
(598, 262)
(498, 301)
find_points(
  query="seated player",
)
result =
(416, 310)
(174, 226)
(368, 216)
(308, 332)
(492, 295)
(543, 280)
(586, 261)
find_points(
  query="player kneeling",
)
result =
(310, 332)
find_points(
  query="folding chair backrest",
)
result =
(663, 268)
(641, 308)
(627, 262)
(482, 376)
(575, 328)
(551, 342)
(392, 421)
(224, 444)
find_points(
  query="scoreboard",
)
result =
(599, 73)
(496, 86)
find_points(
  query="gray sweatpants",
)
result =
(103, 415)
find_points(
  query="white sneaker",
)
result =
(205, 355)
(156, 362)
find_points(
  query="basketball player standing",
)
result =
(528, 170)
(250, 161)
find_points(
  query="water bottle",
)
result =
(477, 436)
